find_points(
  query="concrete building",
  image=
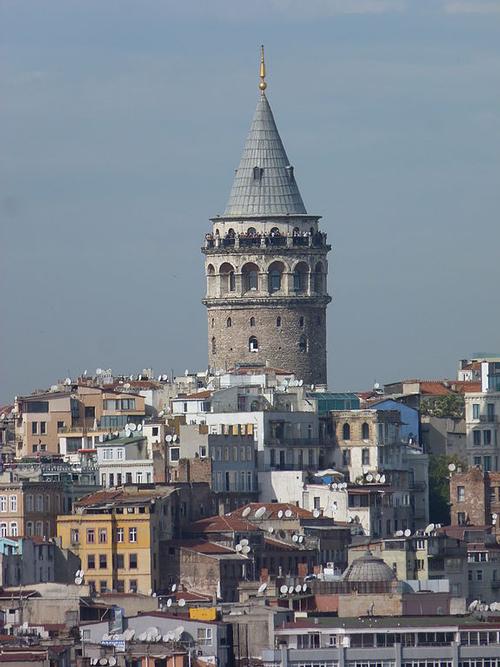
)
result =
(29, 508)
(124, 460)
(266, 265)
(482, 410)
(475, 499)
(25, 561)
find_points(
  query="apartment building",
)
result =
(29, 508)
(482, 410)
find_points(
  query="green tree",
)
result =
(439, 487)
(450, 405)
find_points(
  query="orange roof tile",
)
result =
(222, 524)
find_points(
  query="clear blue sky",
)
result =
(121, 125)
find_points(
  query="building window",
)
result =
(13, 529)
(346, 457)
(120, 561)
(3, 503)
(103, 561)
(278, 321)
(274, 276)
(132, 561)
(477, 460)
(303, 344)
(103, 535)
(43, 428)
(119, 535)
(228, 322)
(103, 586)
(3, 530)
(34, 428)
(460, 494)
(214, 345)
(132, 586)
(365, 431)
(252, 321)
(91, 562)
(253, 344)
(132, 534)
(475, 410)
(29, 503)
(29, 528)
(174, 453)
(487, 463)
(346, 432)
(75, 536)
(90, 536)
(39, 503)
(204, 637)
(365, 456)
(487, 437)
(250, 277)
(461, 518)
(120, 586)
(476, 438)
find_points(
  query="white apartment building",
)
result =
(482, 410)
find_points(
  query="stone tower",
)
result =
(266, 264)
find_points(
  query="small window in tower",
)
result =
(289, 171)
(303, 344)
(213, 322)
(232, 281)
(214, 345)
(253, 344)
(258, 172)
(278, 321)
(346, 431)
(301, 322)
(252, 321)
(228, 322)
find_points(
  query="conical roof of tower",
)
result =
(264, 184)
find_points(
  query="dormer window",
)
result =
(258, 172)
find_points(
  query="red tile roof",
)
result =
(203, 547)
(222, 524)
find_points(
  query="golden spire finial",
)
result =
(262, 73)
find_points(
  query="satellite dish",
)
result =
(262, 587)
(407, 532)
(246, 511)
(369, 477)
(283, 589)
(112, 660)
(161, 413)
(98, 371)
(174, 437)
(132, 426)
(260, 512)
(168, 438)
(164, 377)
(78, 581)
(494, 515)
(77, 573)
(173, 588)
(301, 539)
(377, 477)
(280, 514)
(139, 427)
(246, 550)
(316, 513)
(169, 602)
(103, 661)
(288, 514)
(304, 588)
(334, 486)
(298, 588)
(382, 479)
(295, 538)
(270, 530)
(238, 547)
(244, 542)
(182, 602)
(301, 382)
(142, 637)
(452, 467)
(291, 589)
(101, 438)
(398, 533)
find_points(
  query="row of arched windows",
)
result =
(229, 322)
(250, 277)
(365, 431)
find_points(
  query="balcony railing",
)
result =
(488, 419)
(316, 240)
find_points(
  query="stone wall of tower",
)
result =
(280, 332)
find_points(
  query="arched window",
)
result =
(254, 406)
(227, 278)
(253, 344)
(278, 321)
(252, 321)
(213, 322)
(250, 276)
(346, 432)
(251, 231)
(274, 276)
(303, 344)
(228, 322)
(3, 530)
(365, 431)
(214, 345)
(231, 233)
(301, 322)
(318, 277)
(300, 274)
(210, 279)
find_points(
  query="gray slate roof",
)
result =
(272, 190)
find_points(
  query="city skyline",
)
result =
(114, 171)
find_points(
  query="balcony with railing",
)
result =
(263, 241)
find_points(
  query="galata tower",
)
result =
(266, 264)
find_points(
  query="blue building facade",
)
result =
(410, 418)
